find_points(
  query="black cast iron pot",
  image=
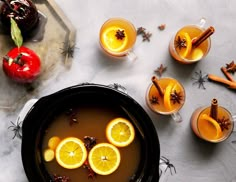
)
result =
(46, 108)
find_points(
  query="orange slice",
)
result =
(104, 158)
(110, 41)
(197, 54)
(120, 132)
(167, 101)
(210, 128)
(49, 155)
(53, 142)
(71, 153)
(184, 51)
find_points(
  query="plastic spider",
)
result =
(200, 79)
(16, 128)
(168, 165)
(68, 50)
(118, 87)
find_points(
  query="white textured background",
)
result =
(195, 160)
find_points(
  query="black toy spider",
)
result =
(16, 128)
(168, 165)
(200, 79)
(68, 50)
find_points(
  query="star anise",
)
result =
(146, 36)
(91, 173)
(224, 123)
(89, 142)
(141, 30)
(120, 34)
(57, 178)
(160, 70)
(180, 43)
(176, 97)
(72, 116)
(231, 67)
(154, 100)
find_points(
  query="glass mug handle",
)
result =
(202, 22)
(177, 117)
(234, 121)
(131, 55)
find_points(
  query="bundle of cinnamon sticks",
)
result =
(230, 82)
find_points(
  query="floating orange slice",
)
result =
(120, 132)
(53, 142)
(167, 101)
(110, 41)
(71, 153)
(197, 54)
(184, 51)
(104, 158)
(49, 155)
(210, 128)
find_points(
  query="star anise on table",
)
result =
(224, 123)
(180, 43)
(160, 70)
(146, 36)
(176, 97)
(154, 100)
(120, 34)
(141, 30)
(231, 67)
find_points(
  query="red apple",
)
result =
(22, 65)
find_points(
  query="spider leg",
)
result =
(164, 159)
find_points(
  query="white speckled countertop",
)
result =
(195, 160)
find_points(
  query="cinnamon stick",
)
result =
(202, 37)
(158, 87)
(218, 79)
(227, 74)
(214, 109)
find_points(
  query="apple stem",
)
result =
(8, 4)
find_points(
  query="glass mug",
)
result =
(117, 38)
(184, 46)
(206, 130)
(170, 102)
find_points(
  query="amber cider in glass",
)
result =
(157, 103)
(206, 130)
(184, 52)
(113, 45)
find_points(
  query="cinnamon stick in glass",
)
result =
(214, 109)
(202, 37)
(158, 87)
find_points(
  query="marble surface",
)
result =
(193, 159)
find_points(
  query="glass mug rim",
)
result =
(202, 109)
(126, 51)
(167, 112)
(189, 61)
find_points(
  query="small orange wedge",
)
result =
(211, 128)
(184, 51)
(167, 93)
